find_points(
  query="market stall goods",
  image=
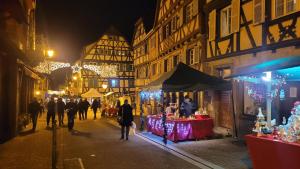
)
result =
(181, 129)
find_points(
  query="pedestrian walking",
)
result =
(60, 111)
(51, 111)
(86, 106)
(80, 106)
(95, 106)
(126, 118)
(34, 109)
(42, 110)
(71, 109)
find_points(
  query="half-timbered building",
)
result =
(111, 49)
(176, 36)
(246, 32)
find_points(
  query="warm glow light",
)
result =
(74, 77)
(104, 86)
(37, 92)
(50, 53)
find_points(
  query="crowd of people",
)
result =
(58, 107)
(72, 108)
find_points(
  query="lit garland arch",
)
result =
(104, 70)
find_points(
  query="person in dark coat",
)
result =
(34, 109)
(86, 106)
(80, 106)
(125, 112)
(71, 109)
(95, 106)
(51, 111)
(60, 111)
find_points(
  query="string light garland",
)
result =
(256, 86)
(103, 70)
(76, 68)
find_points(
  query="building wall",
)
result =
(15, 44)
(254, 39)
(111, 48)
(169, 41)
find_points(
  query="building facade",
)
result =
(247, 32)
(113, 50)
(17, 38)
(176, 36)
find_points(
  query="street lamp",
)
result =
(104, 86)
(50, 53)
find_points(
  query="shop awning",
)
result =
(91, 93)
(277, 64)
(185, 78)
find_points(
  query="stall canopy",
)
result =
(277, 64)
(185, 78)
(91, 93)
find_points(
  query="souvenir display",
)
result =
(260, 124)
(291, 131)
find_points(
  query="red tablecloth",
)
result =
(183, 129)
(267, 153)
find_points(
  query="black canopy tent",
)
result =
(183, 78)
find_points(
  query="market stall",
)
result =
(182, 129)
(181, 79)
(273, 88)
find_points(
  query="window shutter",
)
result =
(187, 57)
(195, 7)
(258, 11)
(197, 54)
(212, 25)
(235, 16)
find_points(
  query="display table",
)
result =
(181, 129)
(267, 153)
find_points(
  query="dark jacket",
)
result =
(60, 107)
(86, 104)
(95, 104)
(51, 106)
(126, 113)
(71, 108)
(81, 106)
(34, 108)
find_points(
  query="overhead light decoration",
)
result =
(48, 67)
(103, 70)
(76, 68)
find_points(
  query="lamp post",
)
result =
(50, 53)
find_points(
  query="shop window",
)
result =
(174, 23)
(284, 7)
(190, 57)
(258, 11)
(131, 83)
(188, 12)
(226, 21)
(114, 83)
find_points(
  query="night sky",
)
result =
(70, 25)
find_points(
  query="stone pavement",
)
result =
(228, 153)
(28, 150)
